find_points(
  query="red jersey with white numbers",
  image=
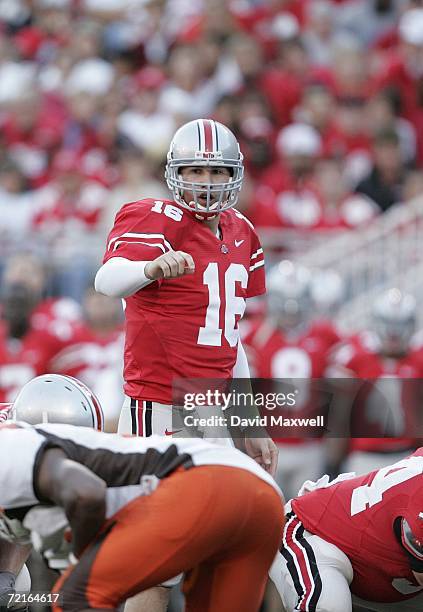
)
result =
(358, 516)
(51, 326)
(185, 327)
(361, 358)
(273, 354)
(88, 354)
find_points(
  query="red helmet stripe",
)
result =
(208, 136)
(99, 413)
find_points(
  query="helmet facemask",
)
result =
(219, 196)
(204, 143)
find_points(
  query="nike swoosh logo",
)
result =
(238, 243)
(170, 433)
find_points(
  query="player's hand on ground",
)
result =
(264, 451)
(172, 264)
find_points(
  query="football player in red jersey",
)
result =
(93, 354)
(386, 351)
(32, 330)
(355, 541)
(285, 345)
(184, 268)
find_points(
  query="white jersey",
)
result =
(129, 466)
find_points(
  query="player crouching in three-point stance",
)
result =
(185, 267)
(357, 541)
(142, 510)
(50, 398)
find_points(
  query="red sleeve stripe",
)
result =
(257, 253)
(259, 264)
(145, 236)
(152, 244)
(241, 216)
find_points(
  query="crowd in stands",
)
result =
(325, 97)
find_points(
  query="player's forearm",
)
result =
(120, 277)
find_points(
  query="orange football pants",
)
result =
(222, 526)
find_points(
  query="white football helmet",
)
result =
(289, 294)
(394, 320)
(204, 142)
(53, 398)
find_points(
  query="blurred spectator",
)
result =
(242, 62)
(216, 20)
(305, 192)
(341, 208)
(286, 194)
(382, 114)
(137, 180)
(351, 140)
(256, 133)
(188, 93)
(68, 211)
(144, 123)
(16, 206)
(32, 330)
(368, 20)
(68, 202)
(403, 71)
(283, 83)
(320, 34)
(385, 182)
(271, 21)
(32, 127)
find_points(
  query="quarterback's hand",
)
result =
(172, 264)
(264, 451)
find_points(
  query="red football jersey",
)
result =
(358, 516)
(50, 327)
(88, 354)
(185, 327)
(274, 355)
(360, 357)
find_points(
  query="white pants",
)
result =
(314, 575)
(311, 572)
(145, 418)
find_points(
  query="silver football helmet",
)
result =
(204, 142)
(289, 294)
(53, 398)
(394, 320)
